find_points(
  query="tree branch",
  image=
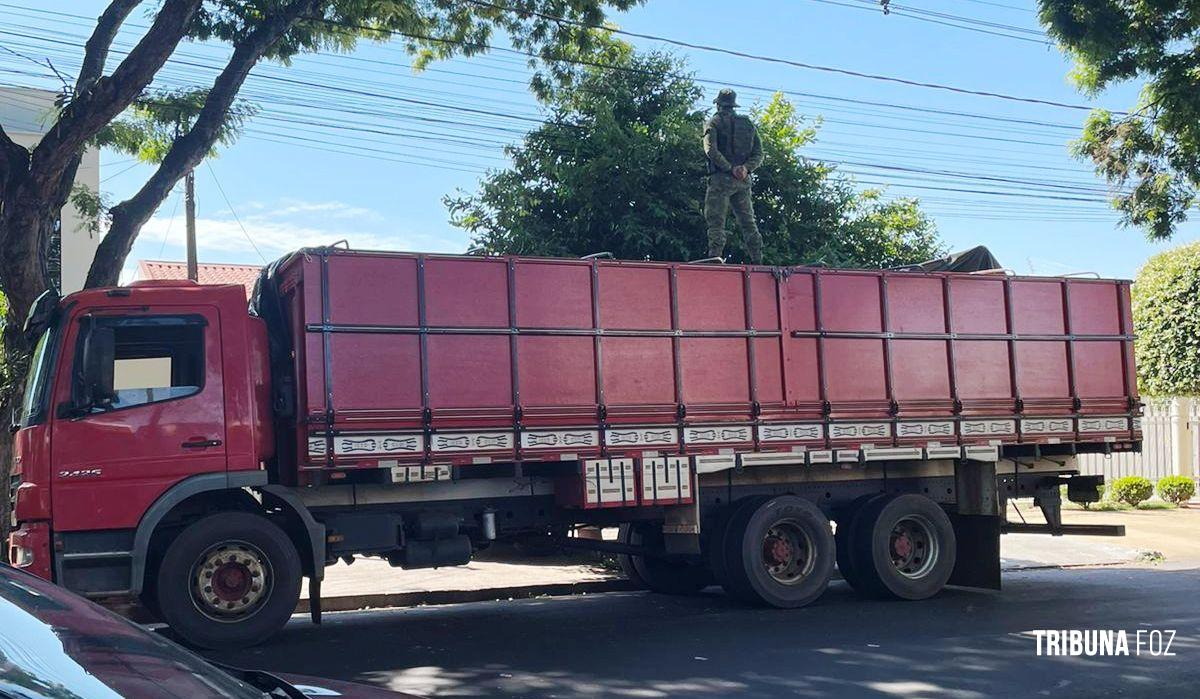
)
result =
(186, 152)
(109, 96)
(95, 52)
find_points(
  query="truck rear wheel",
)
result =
(717, 562)
(229, 580)
(780, 553)
(903, 547)
(666, 575)
(847, 524)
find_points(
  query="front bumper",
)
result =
(29, 549)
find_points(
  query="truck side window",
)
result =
(155, 359)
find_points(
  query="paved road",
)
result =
(963, 644)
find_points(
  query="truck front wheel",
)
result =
(903, 547)
(229, 580)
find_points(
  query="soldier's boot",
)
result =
(743, 209)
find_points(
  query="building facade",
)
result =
(25, 114)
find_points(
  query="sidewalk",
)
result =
(371, 582)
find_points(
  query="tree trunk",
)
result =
(27, 222)
(16, 362)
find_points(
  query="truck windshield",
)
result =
(37, 384)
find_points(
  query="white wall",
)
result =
(23, 113)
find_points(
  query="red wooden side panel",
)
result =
(432, 358)
(635, 297)
(978, 306)
(637, 370)
(916, 304)
(711, 299)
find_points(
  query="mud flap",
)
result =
(314, 600)
(978, 563)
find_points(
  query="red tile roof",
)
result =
(210, 273)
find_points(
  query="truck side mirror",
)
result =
(99, 353)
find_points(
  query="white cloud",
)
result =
(333, 209)
(281, 227)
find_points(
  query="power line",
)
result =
(703, 80)
(773, 59)
(1002, 5)
(118, 174)
(919, 15)
(170, 222)
(235, 216)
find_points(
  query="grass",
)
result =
(1111, 506)
(1156, 505)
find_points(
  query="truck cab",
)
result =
(131, 391)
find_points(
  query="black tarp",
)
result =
(976, 259)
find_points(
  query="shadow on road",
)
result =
(962, 644)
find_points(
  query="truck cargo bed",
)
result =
(410, 359)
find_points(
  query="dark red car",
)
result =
(57, 645)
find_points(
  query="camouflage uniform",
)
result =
(730, 139)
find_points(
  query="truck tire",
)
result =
(780, 553)
(229, 580)
(903, 547)
(625, 561)
(717, 561)
(665, 575)
(847, 521)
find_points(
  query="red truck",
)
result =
(176, 448)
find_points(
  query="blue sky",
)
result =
(360, 148)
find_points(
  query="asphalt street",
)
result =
(964, 643)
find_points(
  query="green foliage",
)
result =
(618, 167)
(7, 385)
(431, 29)
(1156, 505)
(1132, 490)
(1151, 156)
(92, 207)
(1176, 489)
(157, 119)
(1166, 320)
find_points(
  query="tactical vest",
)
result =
(735, 138)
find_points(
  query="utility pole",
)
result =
(189, 204)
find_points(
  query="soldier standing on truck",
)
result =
(734, 151)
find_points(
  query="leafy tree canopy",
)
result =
(618, 167)
(1166, 319)
(1152, 155)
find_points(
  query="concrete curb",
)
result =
(351, 603)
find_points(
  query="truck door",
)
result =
(142, 409)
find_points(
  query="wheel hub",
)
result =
(777, 550)
(231, 579)
(787, 552)
(913, 546)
